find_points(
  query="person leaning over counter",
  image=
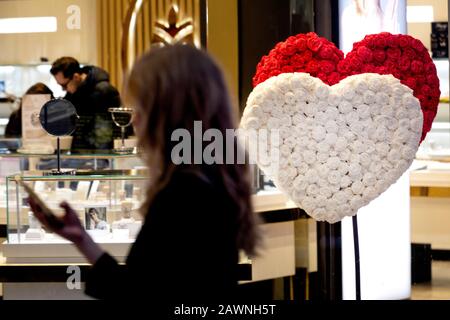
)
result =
(91, 93)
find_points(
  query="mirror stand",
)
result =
(58, 171)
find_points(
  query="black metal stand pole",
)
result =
(329, 258)
(58, 154)
(357, 260)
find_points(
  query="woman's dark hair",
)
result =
(39, 88)
(67, 65)
(172, 87)
(14, 126)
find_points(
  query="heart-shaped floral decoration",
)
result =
(340, 146)
(403, 56)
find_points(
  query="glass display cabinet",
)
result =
(107, 203)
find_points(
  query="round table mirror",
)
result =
(59, 118)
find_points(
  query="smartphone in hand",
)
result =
(52, 220)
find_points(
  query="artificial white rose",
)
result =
(415, 123)
(364, 111)
(334, 99)
(322, 157)
(381, 98)
(312, 190)
(319, 133)
(341, 144)
(369, 179)
(345, 182)
(325, 191)
(253, 123)
(369, 97)
(345, 107)
(331, 138)
(351, 117)
(323, 147)
(345, 155)
(361, 87)
(321, 117)
(312, 176)
(357, 187)
(302, 168)
(354, 169)
(322, 92)
(334, 177)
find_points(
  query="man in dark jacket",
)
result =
(91, 93)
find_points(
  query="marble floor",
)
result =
(438, 288)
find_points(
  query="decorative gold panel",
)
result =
(128, 28)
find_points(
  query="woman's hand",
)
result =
(71, 229)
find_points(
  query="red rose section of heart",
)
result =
(403, 56)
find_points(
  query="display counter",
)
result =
(37, 268)
(430, 204)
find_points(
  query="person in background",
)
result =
(14, 127)
(91, 93)
(197, 217)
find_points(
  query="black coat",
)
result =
(185, 251)
(95, 129)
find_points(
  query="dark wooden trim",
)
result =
(3, 231)
(58, 273)
(282, 215)
(440, 255)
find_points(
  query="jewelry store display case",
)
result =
(36, 261)
(107, 204)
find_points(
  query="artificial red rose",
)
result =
(392, 41)
(297, 61)
(393, 53)
(342, 67)
(397, 73)
(287, 69)
(300, 43)
(390, 64)
(403, 41)
(410, 82)
(380, 42)
(312, 67)
(368, 68)
(379, 55)
(321, 75)
(430, 67)
(417, 45)
(425, 90)
(333, 78)
(404, 63)
(355, 63)
(314, 44)
(409, 53)
(416, 66)
(307, 56)
(382, 70)
(432, 80)
(365, 54)
(326, 67)
(326, 52)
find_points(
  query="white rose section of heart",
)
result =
(339, 147)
